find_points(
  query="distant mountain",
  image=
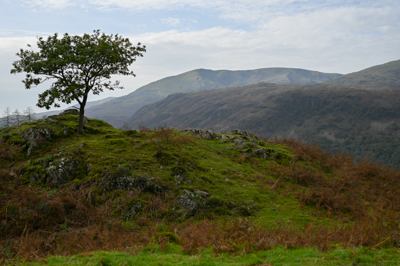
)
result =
(117, 111)
(381, 77)
(88, 105)
(366, 123)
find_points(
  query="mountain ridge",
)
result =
(117, 111)
(380, 77)
(339, 119)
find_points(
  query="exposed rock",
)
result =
(202, 194)
(61, 172)
(124, 183)
(70, 112)
(262, 153)
(227, 137)
(147, 184)
(203, 133)
(251, 153)
(144, 183)
(243, 133)
(188, 201)
(239, 141)
(36, 136)
(180, 176)
(88, 168)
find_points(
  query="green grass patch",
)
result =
(172, 255)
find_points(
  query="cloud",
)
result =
(244, 10)
(153, 4)
(171, 21)
(47, 5)
(326, 36)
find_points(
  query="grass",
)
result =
(138, 188)
(173, 255)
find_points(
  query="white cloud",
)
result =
(171, 21)
(245, 10)
(47, 5)
(326, 36)
(153, 4)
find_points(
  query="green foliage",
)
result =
(277, 256)
(78, 64)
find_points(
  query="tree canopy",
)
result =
(77, 65)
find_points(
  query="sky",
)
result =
(332, 36)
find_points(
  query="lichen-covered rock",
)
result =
(226, 137)
(112, 182)
(36, 136)
(124, 183)
(188, 201)
(60, 172)
(243, 133)
(203, 133)
(239, 142)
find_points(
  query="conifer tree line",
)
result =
(16, 117)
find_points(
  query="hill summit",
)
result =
(64, 193)
(381, 77)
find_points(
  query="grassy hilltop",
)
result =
(185, 193)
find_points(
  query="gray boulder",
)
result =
(262, 153)
(203, 133)
(61, 172)
(188, 201)
(112, 182)
(36, 136)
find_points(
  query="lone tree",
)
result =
(77, 65)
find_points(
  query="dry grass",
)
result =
(38, 222)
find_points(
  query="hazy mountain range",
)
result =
(118, 111)
(354, 113)
(363, 121)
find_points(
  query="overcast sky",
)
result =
(333, 36)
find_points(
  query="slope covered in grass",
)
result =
(111, 189)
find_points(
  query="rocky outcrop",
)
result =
(188, 201)
(203, 133)
(60, 172)
(70, 112)
(144, 183)
(262, 153)
(36, 136)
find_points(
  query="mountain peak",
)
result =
(380, 77)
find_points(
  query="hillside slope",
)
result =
(117, 111)
(88, 105)
(109, 189)
(365, 123)
(381, 77)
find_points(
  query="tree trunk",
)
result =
(82, 110)
(81, 118)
